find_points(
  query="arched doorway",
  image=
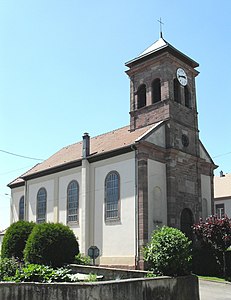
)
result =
(186, 222)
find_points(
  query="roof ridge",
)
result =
(110, 141)
(109, 131)
(94, 137)
(20, 177)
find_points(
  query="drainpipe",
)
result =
(133, 147)
(26, 213)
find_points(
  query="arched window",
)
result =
(156, 91)
(73, 202)
(187, 97)
(112, 196)
(141, 94)
(176, 90)
(21, 208)
(41, 205)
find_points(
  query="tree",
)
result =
(169, 252)
(216, 233)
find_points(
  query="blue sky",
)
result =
(62, 72)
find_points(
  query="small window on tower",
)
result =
(187, 97)
(141, 94)
(176, 90)
(156, 91)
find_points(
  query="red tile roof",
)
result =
(111, 141)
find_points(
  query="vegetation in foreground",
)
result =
(15, 239)
(51, 244)
(81, 259)
(169, 252)
(215, 233)
(38, 252)
(12, 270)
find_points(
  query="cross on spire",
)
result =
(161, 23)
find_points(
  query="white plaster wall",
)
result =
(227, 204)
(203, 154)
(33, 188)
(64, 180)
(206, 192)
(157, 197)
(16, 195)
(116, 240)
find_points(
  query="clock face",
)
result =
(181, 76)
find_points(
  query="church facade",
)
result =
(114, 189)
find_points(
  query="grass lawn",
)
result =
(212, 278)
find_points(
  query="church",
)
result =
(114, 189)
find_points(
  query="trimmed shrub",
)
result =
(51, 244)
(169, 252)
(15, 238)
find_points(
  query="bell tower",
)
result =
(162, 88)
(162, 91)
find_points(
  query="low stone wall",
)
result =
(109, 273)
(164, 288)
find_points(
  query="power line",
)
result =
(12, 171)
(40, 159)
(219, 155)
(22, 156)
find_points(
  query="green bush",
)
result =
(8, 268)
(15, 238)
(81, 259)
(169, 252)
(41, 273)
(51, 244)
(47, 274)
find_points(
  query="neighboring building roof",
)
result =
(158, 47)
(71, 156)
(222, 186)
(3, 231)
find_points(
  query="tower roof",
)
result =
(158, 47)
